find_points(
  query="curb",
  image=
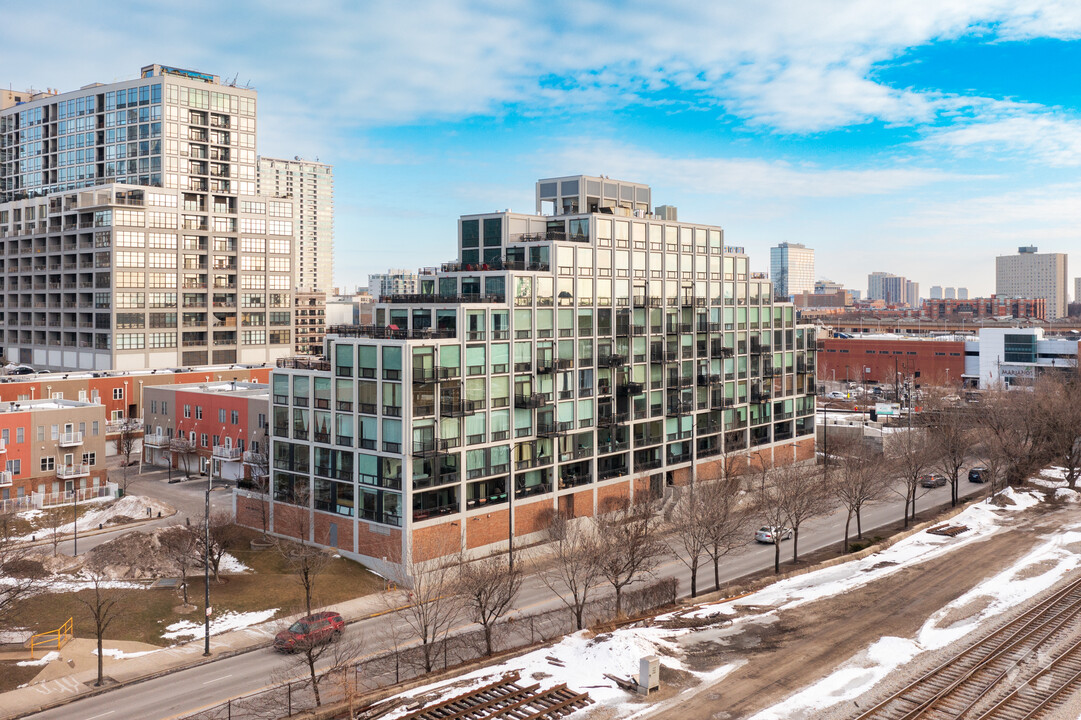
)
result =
(92, 533)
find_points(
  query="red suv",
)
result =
(322, 627)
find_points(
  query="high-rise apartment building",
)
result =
(311, 321)
(792, 269)
(950, 294)
(912, 293)
(131, 232)
(394, 282)
(1077, 290)
(886, 287)
(1030, 274)
(562, 363)
(311, 186)
(936, 292)
(962, 293)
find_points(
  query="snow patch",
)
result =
(226, 622)
(120, 654)
(230, 564)
(53, 655)
(1067, 495)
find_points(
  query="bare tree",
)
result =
(102, 604)
(54, 519)
(489, 587)
(19, 580)
(182, 448)
(909, 458)
(802, 497)
(628, 545)
(182, 545)
(305, 562)
(858, 481)
(575, 566)
(125, 446)
(258, 471)
(728, 518)
(1010, 422)
(689, 531)
(769, 505)
(1059, 397)
(949, 433)
(225, 535)
(430, 572)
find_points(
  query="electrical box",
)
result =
(649, 674)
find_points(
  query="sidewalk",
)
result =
(63, 687)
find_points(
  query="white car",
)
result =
(766, 534)
(835, 395)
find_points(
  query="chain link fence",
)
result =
(355, 679)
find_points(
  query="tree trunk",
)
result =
(315, 678)
(859, 522)
(795, 545)
(619, 601)
(579, 610)
(488, 638)
(716, 569)
(844, 545)
(776, 555)
(101, 657)
(694, 577)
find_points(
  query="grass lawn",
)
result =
(147, 612)
(12, 676)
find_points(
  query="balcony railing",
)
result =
(554, 429)
(155, 440)
(530, 401)
(426, 298)
(457, 408)
(430, 447)
(70, 439)
(304, 363)
(3, 446)
(610, 419)
(68, 472)
(630, 388)
(5, 478)
(228, 454)
(380, 332)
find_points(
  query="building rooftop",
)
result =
(44, 404)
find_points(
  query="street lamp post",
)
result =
(206, 560)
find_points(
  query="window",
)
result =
(20, 435)
(15, 467)
(41, 433)
(198, 412)
(234, 417)
(221, 415)
(90, 458)
(118, 393)
(202, 440)
(187, 411)
(48, 464)
(94, 429)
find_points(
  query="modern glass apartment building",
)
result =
(131, 234)
(563, 362)
(311, 186)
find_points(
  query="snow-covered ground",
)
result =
(186, 629)
(581, 660)
(133, 507)
(230, 564)
(120, 654)
(40, 662)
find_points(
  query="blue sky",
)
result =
(922, 138)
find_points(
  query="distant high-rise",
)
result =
(912, 293)
(1030, 274)
(393, 282)
(962, 293)
(792, 269)
(949, 293)
(311, 186)
(936, 292)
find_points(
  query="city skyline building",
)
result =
(1032, 274)
(792, 269)
(396, 281)
(131, 232)
(589, 357)
(311, 185)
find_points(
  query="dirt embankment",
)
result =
(802, 645)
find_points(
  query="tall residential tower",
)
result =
(311, 186)
(1030, 274)
(131, 234)
(792, 269)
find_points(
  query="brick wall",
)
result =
(345, 530)
(487, 528)
(531, 517)
(436, 540)
(609, 496)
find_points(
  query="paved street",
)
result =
(186, 691)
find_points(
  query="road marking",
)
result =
(217, 679)
(102, 715)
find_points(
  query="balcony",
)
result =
(530, 401)
(115, 426)
(613, 361)
(630, 388)
(70, 472)
(5, 478)
(430, 447)
(704, 379)
(680, 381)
(663, 356)
(157, 440)
(676, 409)
(3, 446)
(678, 328)
(70, 439)
(456, 408)
(554, 429)
(227, 454)
(611, 419)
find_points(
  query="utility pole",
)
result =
(206, 560)
(75, 526)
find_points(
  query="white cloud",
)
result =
(794, 66)
(745, 177)
(1046, 211)
(1049, 138)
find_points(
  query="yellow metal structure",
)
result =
(54, 639)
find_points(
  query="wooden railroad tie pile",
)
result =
(506, 699)
(948, 530)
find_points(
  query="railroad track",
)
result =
(507, 700)
(1004, 664)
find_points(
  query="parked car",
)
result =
(767, 534)
(317, 629)
(836, 395)
(932, 480)
(977, 475)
